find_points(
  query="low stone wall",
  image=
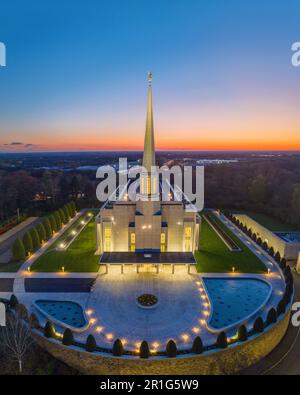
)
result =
(228, 361)
(273, 240)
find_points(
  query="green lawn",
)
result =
(215, 257)
(79, 257)
(269, 222)
(12, 266)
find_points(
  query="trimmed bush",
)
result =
(68, 338)
(144, 350)
(289, 279)
(53, 224)
(41, 232)
(271, 251)
(272, 316)
(34, 321)
(13, 301)
(283, 263)
(242, 333)
(281, 307)
(118, 348)
(27, 242)
(277, 257)
(73, 205)
(57, 220)
(222, 340)
(287, 297)
(258, 326)
(62, 215)
(287, 270)
(48, 228)
(49, 330)
(171, 349)
(265, 246)
(35, 239)
(197, 347)
(66, 213)
(90, 344)
(18, 250)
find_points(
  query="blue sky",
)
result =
(76, 74)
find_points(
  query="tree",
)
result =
(222, 340)
(118, 348)
(73, 205)
(16, 338)
(144, 350)
(66, 213)
(68, 338)
(57, 220)
(242, 333)
(34, 321)
(197, 347)
(277, 257)
(22, 312)
(281, 307)
(171, 349)
(90, 344)
(295, 203)
(265, 245)
(258, 189)
(53, 223)
(258, 326)
(48, 228)
(41, 232)
(283, 263)
(27, 242)
(13, 302)
(271, 251)
(62, 216)
(18, 250)
(35, 239)
(49, 330)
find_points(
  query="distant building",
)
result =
(147, 226)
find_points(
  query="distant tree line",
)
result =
(38, 192)
(270, 186)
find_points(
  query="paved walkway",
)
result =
(20, 275)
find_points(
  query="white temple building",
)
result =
(164, 231)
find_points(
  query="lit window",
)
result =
(132, 242)
(107, 239)
(188, 238)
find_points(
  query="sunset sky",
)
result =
(76, 75)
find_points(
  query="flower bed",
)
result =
(147, 300)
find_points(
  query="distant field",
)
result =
(79, 257)
(215, 257)
(269, 222)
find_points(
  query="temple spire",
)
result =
(149, 148)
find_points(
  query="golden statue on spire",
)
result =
(150, 77)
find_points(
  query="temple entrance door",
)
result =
(147, 268)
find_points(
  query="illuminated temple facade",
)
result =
(152, 226)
